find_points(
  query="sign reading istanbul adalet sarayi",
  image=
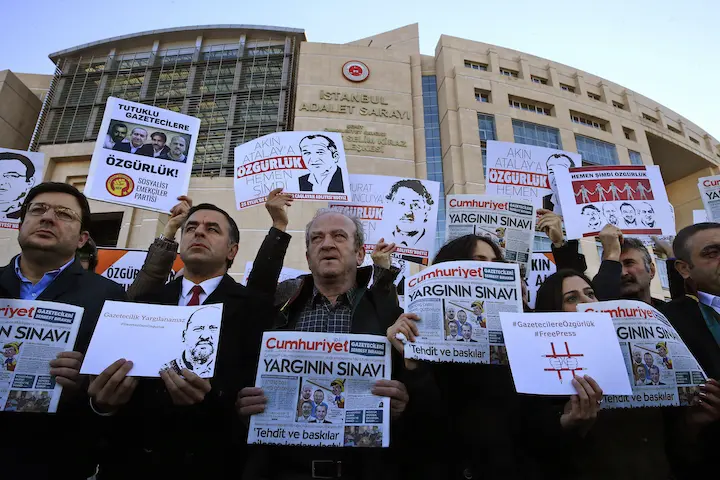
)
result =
(143, 156)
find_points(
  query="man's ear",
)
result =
(360, 256)
(683, 268)
(652, 270)
(83, 238)
(233, 251)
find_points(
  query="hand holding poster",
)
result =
(508, 222)
(710, 192)
(459, 305)
(122, 265)
(632, 198)
(318, 388)
(143, 156)
(400, 210)
(660, 367)
(19, 172)
(526, 171)
(309, 165)
(154, 337)
(31, 334)
(547, 350)
(395, 261)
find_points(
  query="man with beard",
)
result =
(407, 213)
(594, 218)
(137, 140)
(647, 215)
(157, 148)
(54, 222)
(555, 162)
(628, 214)
(200, 338)
(176, 153)
(118, 132)
(611, 214)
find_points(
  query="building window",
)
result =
(476, 66)
(540, 80)
(629, 134)
(538, 135)
(567, 88)
(635, 157)
(486, 125)
(649, 118)
(618, 105)
(588, 121)
(694, 140)
(482, 96)
(529, 106)
(596, 152)
(509, 73)
(674, 130)
(594, 96)
(433, 149)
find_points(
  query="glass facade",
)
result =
(486, 125)
(239, 91)
(433, 149)
(596, 152)
(538, 135)
(635, 157)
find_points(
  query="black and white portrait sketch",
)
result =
(17, 173)
(321, 157)
(407, 212)
(200, 341)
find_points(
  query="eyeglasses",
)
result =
(63, 214)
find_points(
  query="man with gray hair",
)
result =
(137, 140)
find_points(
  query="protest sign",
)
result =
(318, 387)
(657, 363)
(309, 165)
(542, 266)
(122, 265)
(508, 222)
(396, 261)
(401, 210)
(526, 172)
(632, 198)
(19, 172)
(285, 273)
(710, 192)
(459, 305)
(143, 156)
(547, 350)
(155, 337)
(31, 334)
(700, 216)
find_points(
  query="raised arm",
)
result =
(566, 254)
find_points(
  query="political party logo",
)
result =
(119, 185)
(356, 71)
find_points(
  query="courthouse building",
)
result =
(400, 113)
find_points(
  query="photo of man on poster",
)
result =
(16, 180)
(137, 140)
(200, 339)
(176, 153)
(157, 147)
(118, 133)
(407, 212)
(321, 156)
(555, 161)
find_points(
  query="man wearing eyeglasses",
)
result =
(54, 220)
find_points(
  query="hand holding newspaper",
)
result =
(318, 387)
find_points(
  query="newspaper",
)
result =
(459, 305)
(508, 222)
(710, 192)
(31, 334)
(662, 370)
(318, 389)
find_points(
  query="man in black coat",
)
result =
(137, 141)
(157, 148)
(54, 220)
(183, 426)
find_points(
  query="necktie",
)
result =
(195, 298)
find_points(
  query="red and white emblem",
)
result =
(356, 71)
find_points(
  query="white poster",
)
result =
(155, 337)
(19, 172)
(31, 334)
(122, 265)
(632, 198)
(542, 266)
(143, 156)
(547, 350)
(318, 387)
(459, 305)
(661, 369)
(309, 165)
(700, 216)
(285, 274)
(526, 171)
(396, 261)
(510, 223)
(710, 192)
(401, 210)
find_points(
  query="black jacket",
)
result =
(335, 185)
(70, 437)
(126, 147)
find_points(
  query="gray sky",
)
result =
(664, 49)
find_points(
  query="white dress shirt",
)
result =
(208, 287)
(710, 300)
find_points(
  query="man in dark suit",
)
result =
(157, 148)
(321, 157)
(137, 140)
(53, 224)
(170, 427)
